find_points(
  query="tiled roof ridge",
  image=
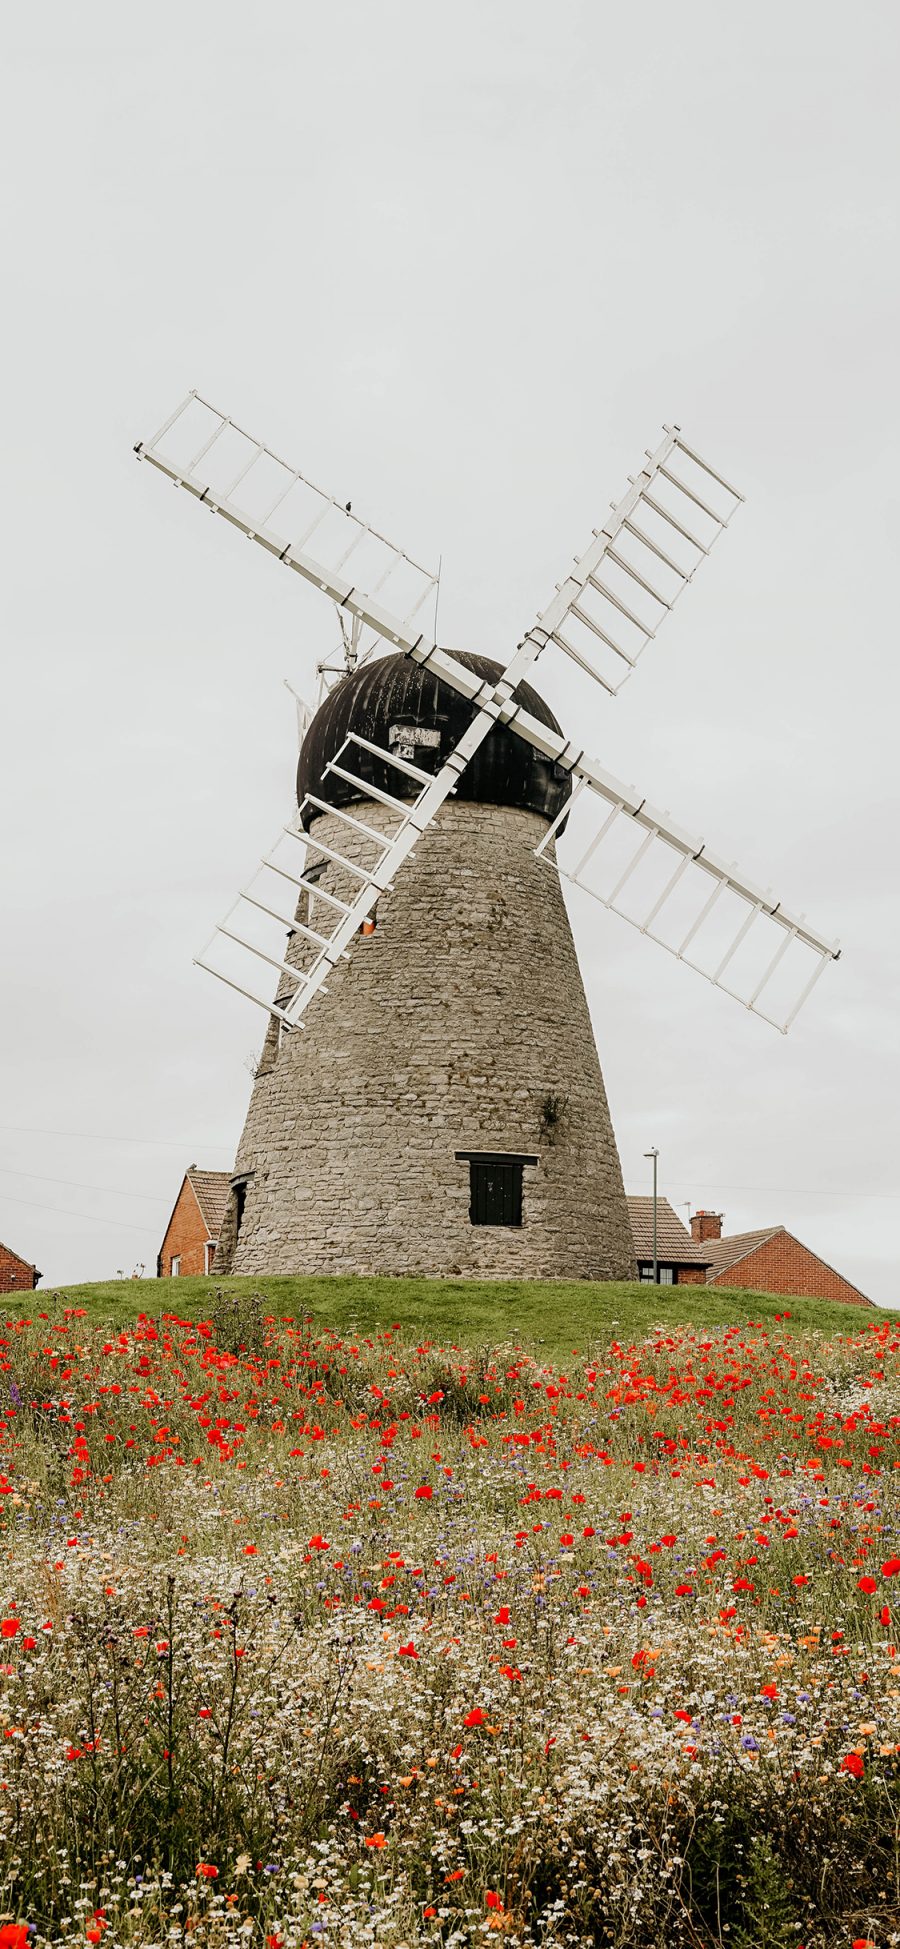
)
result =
(674, 1242)
(761, 1238)
(211, 1190)
(726, 1252)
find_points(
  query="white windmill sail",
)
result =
(631, 858)
(342, 920)
(614, 838)
(270, 502)
(610, 606)
(620, 591)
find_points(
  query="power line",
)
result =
(794, 1190)
(64, 1211)
(76, 1184)
(105, 1137)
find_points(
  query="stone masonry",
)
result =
(461, 1024)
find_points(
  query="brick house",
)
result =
(681, 1260)
(192, 1233)
(16, 1275)
(769, 1261)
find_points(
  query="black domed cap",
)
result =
(392, 696)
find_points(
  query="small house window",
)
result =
(209, 1254)
(176, 1265)
(665, 1275)
(495, 1186)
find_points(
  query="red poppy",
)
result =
(206, 1870)
(867, 1584)
(424, 1493)
(14, 1935)
(492, 1900)
(407, 1650)
(476, 1717)
(892, 1567)
(852, 1763)
(9, 1626)
(376, 1840)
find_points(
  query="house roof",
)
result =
(723, 1253)
(674, 1244)
(211, 1190)
(727, 1252)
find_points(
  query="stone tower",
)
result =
(443, 1112)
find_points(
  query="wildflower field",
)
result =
(319, 1638)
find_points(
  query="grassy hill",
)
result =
(559, 1315)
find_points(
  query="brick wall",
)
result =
(706, 1224)
(783, 1265)
(691, 1275)
(16, 1275)
(461, 1024)
(186, 1236)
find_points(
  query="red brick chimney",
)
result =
(706, 1224)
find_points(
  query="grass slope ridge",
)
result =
(554, 1313)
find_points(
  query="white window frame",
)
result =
(208, 1250)
(175, 1266)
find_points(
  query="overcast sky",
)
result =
(459, 262)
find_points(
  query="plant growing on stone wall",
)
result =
(551, 1113)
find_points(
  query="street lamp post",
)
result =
(654, 1153)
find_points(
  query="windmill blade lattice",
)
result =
(620, 591)
(274, 504)
(634, 861)
(371, 874)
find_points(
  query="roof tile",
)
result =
(211, 1190)
(674, 1244)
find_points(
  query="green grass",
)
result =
(559, 1314)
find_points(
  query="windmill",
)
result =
(458, 1035)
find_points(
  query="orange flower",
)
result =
(376, 1840)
